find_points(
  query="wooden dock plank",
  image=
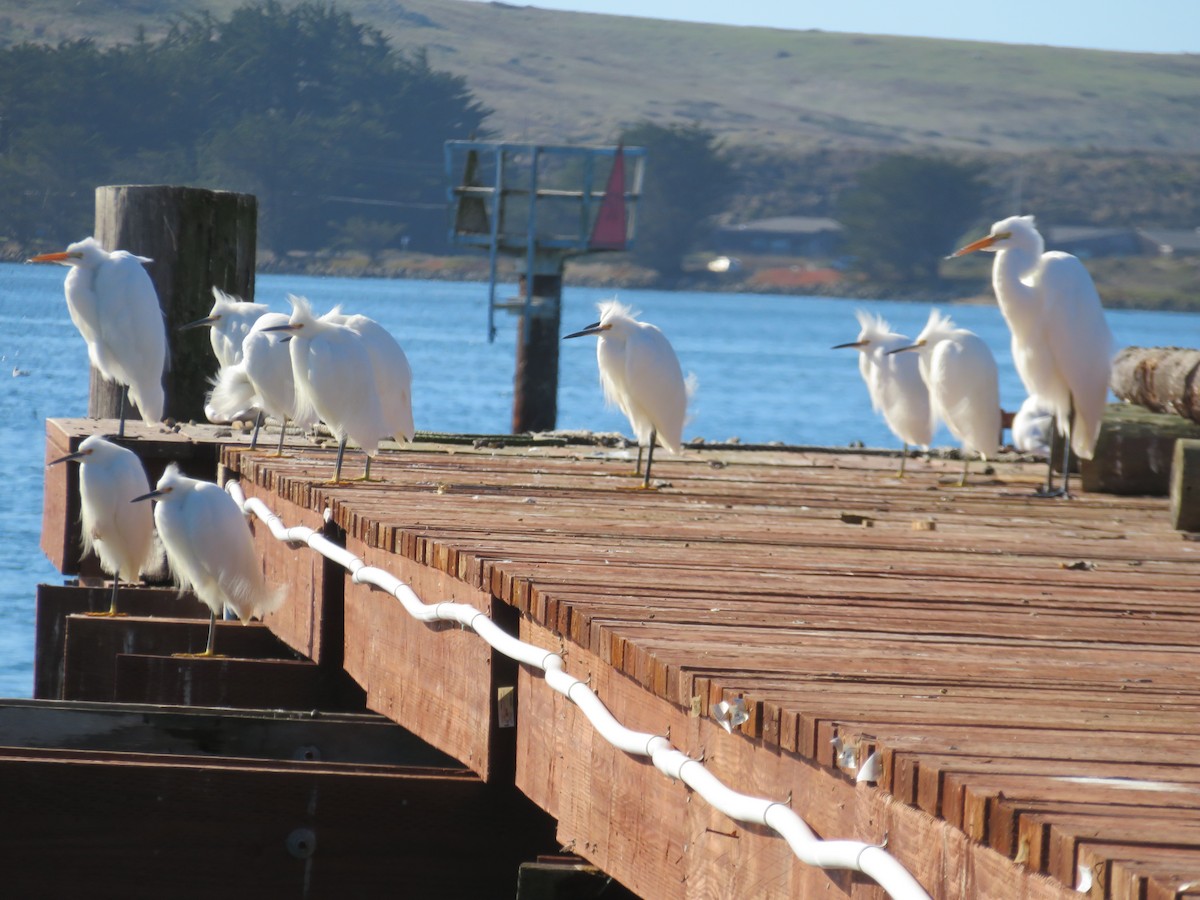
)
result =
(989, 644)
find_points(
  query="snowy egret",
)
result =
(363, 403)
(1061, 343)
(261, 381)
(1033, 427)
(964, 389)
(113, 303)
(229, 320)
(119, 533)
(640, 374)
(210, 548)
(893, 382)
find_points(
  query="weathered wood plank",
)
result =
(1006, 646)
(144, 825)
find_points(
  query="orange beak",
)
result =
(980, 244)
(61, 257)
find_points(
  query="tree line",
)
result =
(339, 135)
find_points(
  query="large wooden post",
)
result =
(535, 384)
(197, 239)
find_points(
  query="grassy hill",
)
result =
(573, 77)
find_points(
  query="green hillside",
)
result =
(572, 77)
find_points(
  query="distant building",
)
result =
(1170, 241)
(1087, 241)
(808, 236)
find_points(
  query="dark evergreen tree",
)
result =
(311, 111)
(688, 181)
(906, 213)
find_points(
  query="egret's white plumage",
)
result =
(1033, 427)
(261, 380)
(893, 380)
(113, 303)
(641, 376)
(120, 533)
(352, 374)
(1061, 343)
(964, 390)
(229, 321)
(210, 548)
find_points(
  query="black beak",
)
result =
(594, 328)
(78, 454)
(150, 496)
(199, 323)
(855, 344)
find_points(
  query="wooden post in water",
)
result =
(197, 239)
(535, 384)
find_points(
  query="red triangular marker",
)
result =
(609, 231)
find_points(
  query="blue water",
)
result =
(763, 364)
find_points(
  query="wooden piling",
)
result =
(535, 385)
(197, 239)
(1185, 485)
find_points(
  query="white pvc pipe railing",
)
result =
(870, 859)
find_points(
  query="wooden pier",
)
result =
(1023, 668)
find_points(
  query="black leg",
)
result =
(258, 420)
(282, 434)
(212, 633)
(649, 457)
(337, 469)
(121, 412)
(1066, 462)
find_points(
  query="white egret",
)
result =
(210, 548)
(113, 303)
(229, 321)
(261, 381)
(1033, 427)
(360, 402)
(1061, 343)
(119, 533)
(964, 388)
(893, 382)
(641, 376)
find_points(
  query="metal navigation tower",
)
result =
(541, 204)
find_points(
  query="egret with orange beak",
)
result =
(113, 303)
(1061, 344)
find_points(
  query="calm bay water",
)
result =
(763, 364)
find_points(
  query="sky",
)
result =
(1150, 26)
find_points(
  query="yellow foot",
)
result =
(642, 487)
(205, 654)
(107, 614)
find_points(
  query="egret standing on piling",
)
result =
(1061, 344)
(119, 532)
(113, 303)
(893, 382)
(210, 548)
(641, 376)
(964, 388)
(353, 375)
